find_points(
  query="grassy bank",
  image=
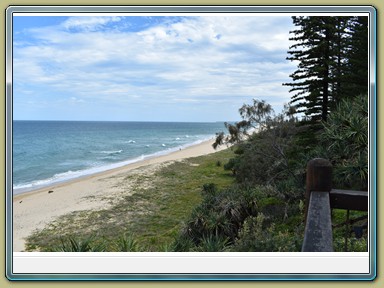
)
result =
(147, 219)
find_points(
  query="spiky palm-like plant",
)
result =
(346, 139)
(71, 244)
(212, 243)
(127, 243)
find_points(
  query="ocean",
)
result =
(48, 152)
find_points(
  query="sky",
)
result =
(148, 68)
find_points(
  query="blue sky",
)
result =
(191, 68)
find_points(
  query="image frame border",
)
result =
(209, 9)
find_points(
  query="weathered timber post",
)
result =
(319, 178)
(318, 227)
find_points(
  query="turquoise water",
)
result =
(47, 152)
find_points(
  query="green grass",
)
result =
(151, 217)
(344, 238)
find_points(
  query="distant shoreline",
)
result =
(34, 209)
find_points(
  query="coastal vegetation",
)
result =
(264, 209)
(269, 165)
(250, 197)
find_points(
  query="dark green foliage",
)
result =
(215, 224)
(210, 188)
(265, 157)
(345, 138)
(353, 244)
(183, 243)
(232, 165)
(264, 211)
(312, 48)
(356, 77)
(94, 243)
(345, 238)
(332, 52)
(73, 244)
(257, 236)
(213, 243)
(127, 243)
(220, 215)
(269, 156)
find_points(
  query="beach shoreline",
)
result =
(33, 210)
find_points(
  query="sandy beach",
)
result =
(35, 209)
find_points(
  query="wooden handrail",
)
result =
(320, 199)
(349, 199)
(318, 230)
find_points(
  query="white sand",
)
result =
(35, 209)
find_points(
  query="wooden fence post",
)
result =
(318, 222)
(319, 178)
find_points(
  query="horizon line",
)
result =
(158, 121)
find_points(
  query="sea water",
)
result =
(48, 152)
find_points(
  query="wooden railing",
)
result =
(320, 199)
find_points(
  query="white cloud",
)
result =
(75, 100)
(183, 62)
(88, 23)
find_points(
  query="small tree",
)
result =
(255, 116)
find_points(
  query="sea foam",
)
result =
(72, 175)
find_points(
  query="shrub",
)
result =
(72, 244)
(257, 235)
(217, 221)
(345, 137)
(213, 243)
(126, 243)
